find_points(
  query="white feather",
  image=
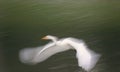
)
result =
(87, 58)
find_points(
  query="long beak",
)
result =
(44, 38)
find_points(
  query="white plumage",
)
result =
(87, 58)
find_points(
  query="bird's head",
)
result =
(50, 37)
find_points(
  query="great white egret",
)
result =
(87, 58)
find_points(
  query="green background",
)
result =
(24, 22)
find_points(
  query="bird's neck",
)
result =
(54, 40)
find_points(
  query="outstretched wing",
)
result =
(87, 58)
(36, 55)
(26, 55)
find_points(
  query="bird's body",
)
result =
(86, 58)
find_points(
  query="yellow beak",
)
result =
(45, 38)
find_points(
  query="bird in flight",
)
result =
(87, 58)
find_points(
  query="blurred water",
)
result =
(24, 22)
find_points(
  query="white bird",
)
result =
(87, 58)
